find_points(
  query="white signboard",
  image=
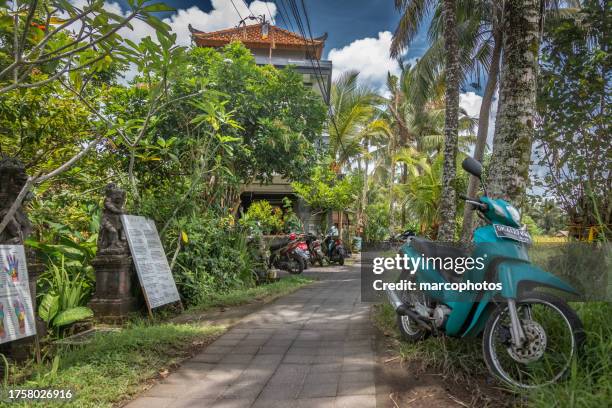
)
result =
(151, 263)
(16, 314)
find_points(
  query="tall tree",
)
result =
(508, 171)
(448, 208)
(353, 106)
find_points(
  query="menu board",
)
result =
(151, 263)
(16, 314)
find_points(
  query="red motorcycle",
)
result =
(314, 249)
(285, 254)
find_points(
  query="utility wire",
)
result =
(236, 8)
(298, 19)
(269, 12)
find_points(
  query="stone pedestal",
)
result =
(114, 297)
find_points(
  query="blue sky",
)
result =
(359, 31)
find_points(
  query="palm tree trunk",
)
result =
(509, 169)
(364, 193)
(448, 207)
(483, 130)
(391, 195)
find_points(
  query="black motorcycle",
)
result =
(337, 252)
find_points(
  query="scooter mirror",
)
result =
(472, 166)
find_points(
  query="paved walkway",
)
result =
(313, 348)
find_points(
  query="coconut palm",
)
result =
(352, 108)
(479, 49)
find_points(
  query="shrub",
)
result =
(215, 259)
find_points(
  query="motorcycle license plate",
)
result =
(504, 231)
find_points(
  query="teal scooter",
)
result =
(529, 336)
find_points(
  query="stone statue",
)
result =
(12, 179)
(112, 240)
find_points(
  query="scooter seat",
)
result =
(278, 243)
(432, 249)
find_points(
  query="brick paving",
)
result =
(313, 348)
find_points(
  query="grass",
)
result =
(114, 365)
(588, 385)
(267, 292)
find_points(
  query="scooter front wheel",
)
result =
(410, 330)
(553, 338)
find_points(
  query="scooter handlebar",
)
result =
(475, 202)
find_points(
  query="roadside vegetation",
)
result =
(112, 366)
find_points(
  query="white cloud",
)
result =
(471, 102)
(369, 56)
(222, 15)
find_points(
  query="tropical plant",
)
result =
(66, 291)
(268, 219)
(352, 108)
(214, 260)
(573, 122)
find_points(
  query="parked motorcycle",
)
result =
(302, 250)
(529, 337)
(334, 252)
(286, 255)
(314, 248)
(403, 237)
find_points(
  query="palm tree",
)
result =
(352, 108)
(479, 34)
(413, 12)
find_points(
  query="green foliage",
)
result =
(327, 190)
(291, 221)
(215, 259)
(377, 225)
(72, 315)
(573, 106)
(63, 293)
(532, 227)
(268, 219)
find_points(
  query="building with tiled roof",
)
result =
(262, 36)
(274, 45)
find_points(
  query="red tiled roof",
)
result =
(252, 37)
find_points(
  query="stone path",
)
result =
(313, 348)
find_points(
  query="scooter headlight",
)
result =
(515, 214)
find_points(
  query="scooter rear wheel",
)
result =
(554, 338)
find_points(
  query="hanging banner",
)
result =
(16, 313)
(151, 263)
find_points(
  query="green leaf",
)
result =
(49, 305)
(152, 8)
(72, 315)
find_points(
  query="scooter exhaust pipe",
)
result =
(403, 310)
(394, 300)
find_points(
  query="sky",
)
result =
(359, 32)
